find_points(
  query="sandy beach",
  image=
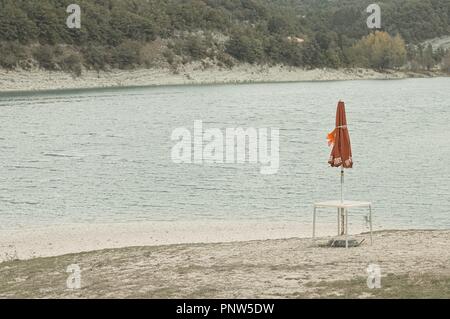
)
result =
(193, 74)
(64, 239)
(220, 259)
(413, 263)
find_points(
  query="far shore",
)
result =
(192, 74)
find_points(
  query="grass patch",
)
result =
(392, 286)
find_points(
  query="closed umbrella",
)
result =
(341, 153)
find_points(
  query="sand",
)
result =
(37, 80)
(413, 263)
(63, 239)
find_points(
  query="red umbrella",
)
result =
(341, 153)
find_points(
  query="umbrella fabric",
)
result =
(341, 154)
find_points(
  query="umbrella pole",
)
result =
(343, 225)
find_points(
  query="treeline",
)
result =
(414, 20)
(145, 33)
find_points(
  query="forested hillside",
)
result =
(145, 33)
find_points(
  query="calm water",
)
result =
(104, 155)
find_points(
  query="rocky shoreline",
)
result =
(192, 74)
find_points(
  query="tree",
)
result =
(427, 60)
(380, 51)
(446, 63)
(245, 48)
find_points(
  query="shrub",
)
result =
(245, 48)
(196, 47)
(127, 55)
(12, 54)
(45, 57)
(8, 61)
(226, 59)
(72, 63)
(169, 56)
(192, 47)
(151, 53)
(96, 57)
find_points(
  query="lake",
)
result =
(96, 156)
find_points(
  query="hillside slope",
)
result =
(127, 34)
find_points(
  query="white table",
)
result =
(343, 205)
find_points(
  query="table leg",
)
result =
(346, 228)
(338, 222)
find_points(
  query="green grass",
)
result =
(392, 286)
